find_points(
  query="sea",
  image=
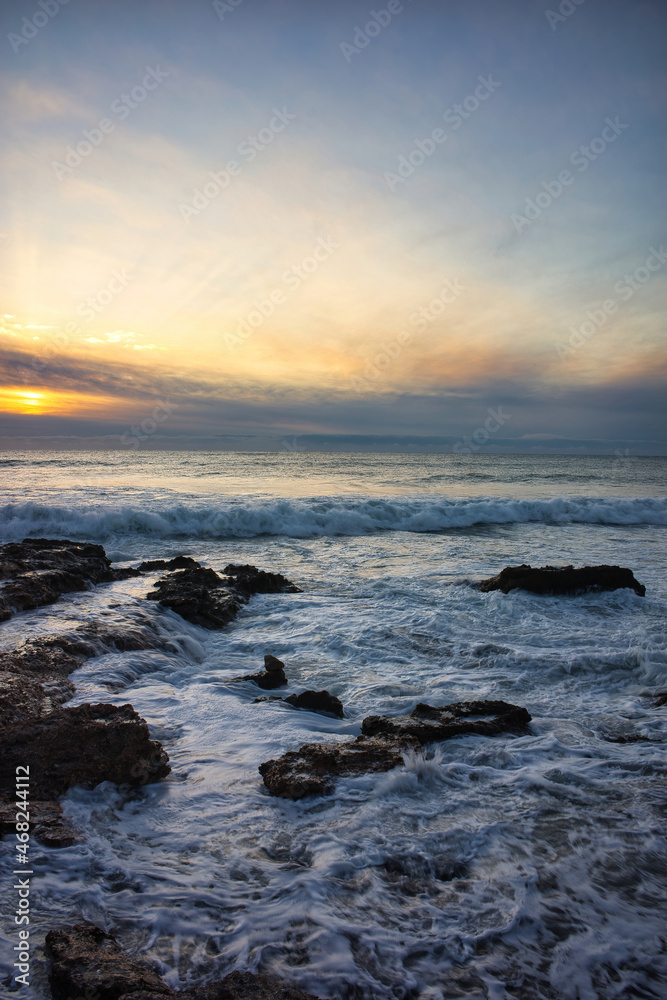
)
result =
(500, 868)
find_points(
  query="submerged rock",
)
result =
(312, 769)
(562, 579)
(86, 961)
(37, 571)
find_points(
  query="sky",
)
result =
(261, 224)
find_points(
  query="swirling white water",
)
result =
(531, 867)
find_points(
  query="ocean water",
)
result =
(498, 868)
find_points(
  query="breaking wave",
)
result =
(318, 517)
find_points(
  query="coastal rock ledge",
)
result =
(312, 769)
(87, 962)
(562, 579)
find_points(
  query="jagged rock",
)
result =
(311, 770)
(427, 723)
(317, 701)
(83, 745)
(33, 685)
(47, 823)
(178, 562)
(203, 597)
(272, 662)
(250, 580)
(198, 595)
(268, 680)
(562, 579)
(88, 962)
(38, 571)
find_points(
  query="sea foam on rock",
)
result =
(562, 579)
(313, 768)
(86, 961)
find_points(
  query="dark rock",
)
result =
(198, 595)
(178, 562)
(250, 580)
(38, 571)
(311, 770)
(203, 597)
(562, 579)
(660, 700)
(47, 823)
(88, 962)
(428, 724)
(67, 746)
(317, 701)
(273, 663)
(268, 680)
(83, 745)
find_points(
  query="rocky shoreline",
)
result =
(91, 743)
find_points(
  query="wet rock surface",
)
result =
(203, 597)
(313, 768)
(86, 961)
(198, 595)
(562, 580)
(250, 580)
(271, 677)
(317, 701)
(37, 571)
(83, 745)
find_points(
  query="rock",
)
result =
(268, 680)
(562, 579)
(83, 745)
(178, 562)
(33, 686)
(203, 597)
(250, 580)
(38, 571)
(47, 823)
(273, 663)
(311, 770)
(317, 701)
(428, 724)
(88, 962)
(198, 595)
